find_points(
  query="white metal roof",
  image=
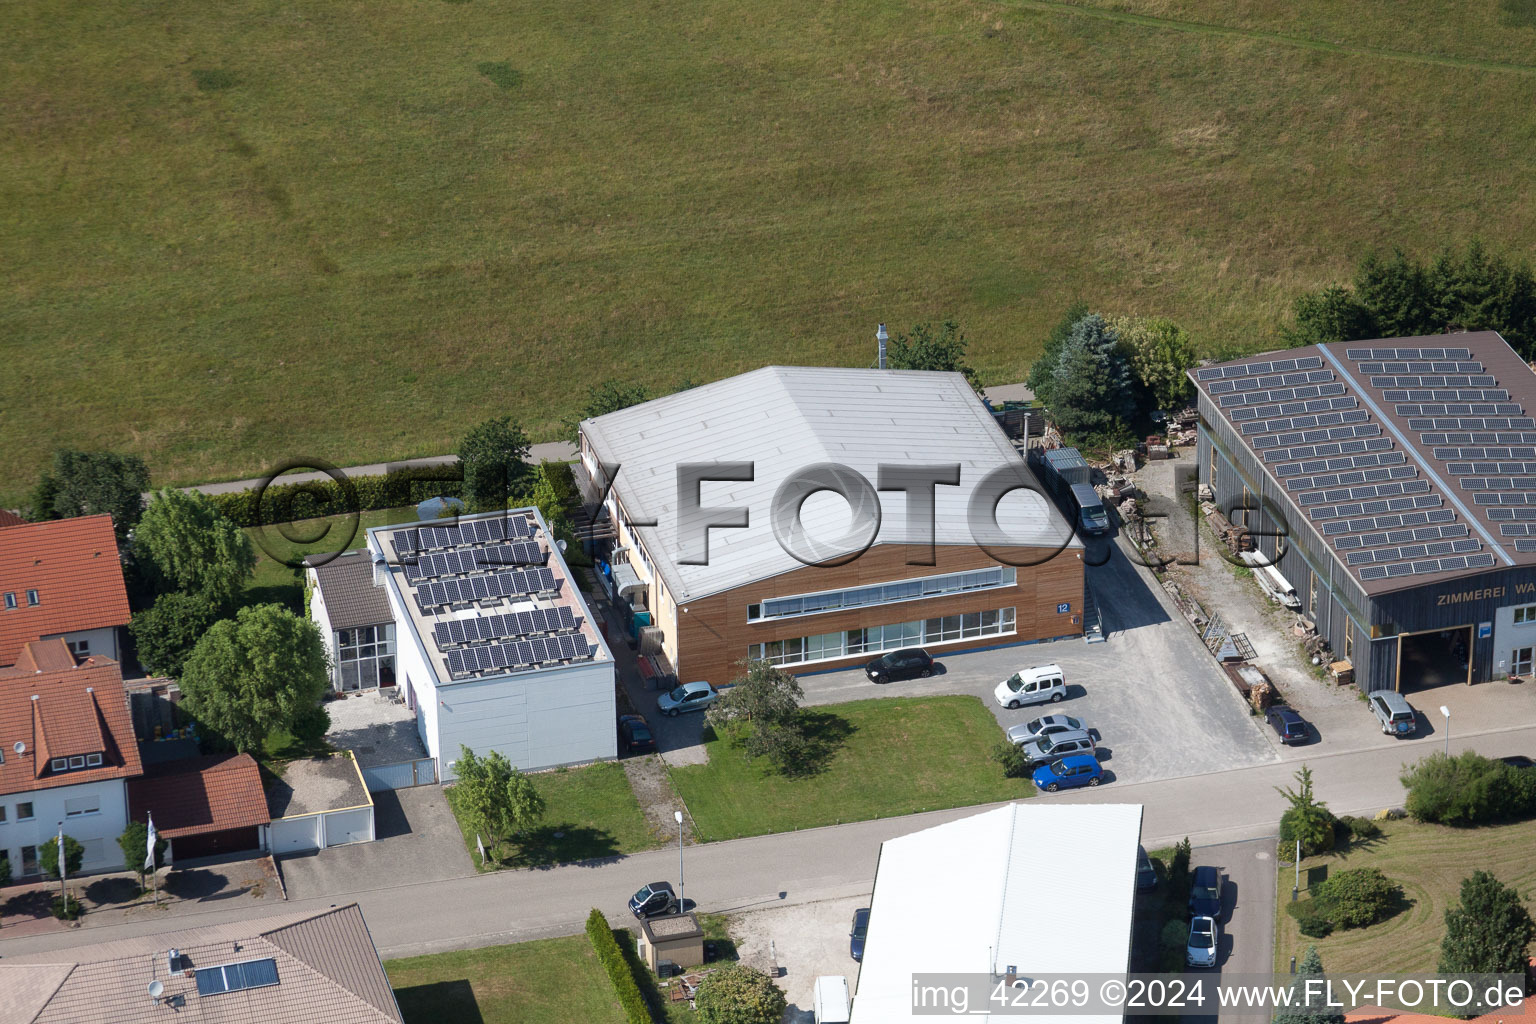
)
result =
(787, 418)
(1049, 888)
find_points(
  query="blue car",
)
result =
(1077, 770)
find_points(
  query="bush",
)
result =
(71, 912)
(1356, 897)
(283, 503)
(1468, 789)
(1311, 917)
(617, 965)
(1015, 765)
(1171, 944)
(738, 994)
(1356, 829)
(1178, 874)
(1314, 829)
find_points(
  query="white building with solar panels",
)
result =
(496, 648)
(1396, 481)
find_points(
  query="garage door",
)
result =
(294, 834)
(343, 827)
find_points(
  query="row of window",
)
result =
(32, 599)
(850, 642)
(75, 763)
(883, 593)
(73, 808)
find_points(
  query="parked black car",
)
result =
(1146, 874)
(1205, 893)
(1288, 725)
(912, 663)
(858, 933)
(1518, 761)
(654, 900)
(635, 735)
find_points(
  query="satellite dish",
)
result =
(20, 747)
(156, 990)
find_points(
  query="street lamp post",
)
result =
(1447, 713)
(677, 816)
(882, 338)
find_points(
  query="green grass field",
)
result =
(593, 809)
(241, 233)
(1429, 862)
(275, 582)
(887, 757)
(553, 981)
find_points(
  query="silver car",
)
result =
(687, 697)
(1063, 744)
(1049, 725)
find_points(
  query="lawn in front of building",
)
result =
(589, 812)
(551, 981)
(275, 582)
(877, 759)
(1429, 862)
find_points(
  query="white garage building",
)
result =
(1038, 890)
(496, 648)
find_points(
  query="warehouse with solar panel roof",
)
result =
(496, 648)
(1393, 485)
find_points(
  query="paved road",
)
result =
(408, 918)
(552, 451)
(1248, 910)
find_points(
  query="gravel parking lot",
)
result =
(810, 940)
(1159, 705)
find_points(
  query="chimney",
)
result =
(380, 570)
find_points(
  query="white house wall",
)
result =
(48, 806)
(537, 719)
(103, 641)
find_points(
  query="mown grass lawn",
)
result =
(882, 758)
(592, 808)
(1429, 862)
(275, 582)
(552, 981)
(237, 234)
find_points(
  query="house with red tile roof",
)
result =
(67, 750)
(62, 578)
(9, 518)
(203, 805)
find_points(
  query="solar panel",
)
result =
(1312, 391)
(1410, 551)
(1512, 514)
(1452, 380)
(1355, 477)
(1498, 483)
(1445, 395)
(1252, 369)
(477, 588)
(1357, 354)
(1302, 422)
(519, 654)
(1525, 545)
(1459, 409)
(497, 627)
(1494, 498)
(1421, 366)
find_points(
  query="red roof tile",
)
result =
(41, 656)
(74, 567)
(199, 795)
(10, 519)
(74, 712)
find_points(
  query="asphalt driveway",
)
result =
(1153, 695)
(1248, 914)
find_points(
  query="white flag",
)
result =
(62, 871)
(149, 852)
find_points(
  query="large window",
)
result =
(365, 657)
(805, 650)
(1525, 613)
(883, 593)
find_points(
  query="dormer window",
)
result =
(32, 599)
(10, 600)
(59, 764)
(75, 762)
(93, 760)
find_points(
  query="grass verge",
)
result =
(881, 758)
(552, 981)
(589, 812)
(1429, 862)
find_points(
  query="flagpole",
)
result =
(63, 870)
(149, 858)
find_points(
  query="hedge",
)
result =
(282, 503)
(1469, 789)
(617, 965)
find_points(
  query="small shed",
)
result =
(677, 938)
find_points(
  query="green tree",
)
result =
(1160, 353)
(134, 842)
(761, 712)
(738, 994)
(311, 724)
(610, 396)
(184, 543)
(48, 856)
(1467, 789)
(166, 632)
(1307, 818)
(494, 798)
(1488, 931)
(1091, 391)
(926, 347)
(494, 456)
(93, 483)
(5, 870)
(1043, 372)
(551, 498)
(1332, 314)
(1308, 1007)
(257, 672)
(1393, 296)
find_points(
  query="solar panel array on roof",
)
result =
(1459, 409)
(1422, 366)
(1320, 465)
(502, 627)
(1388, 522)
(1444, 395)
(469, 560)
(1358, 476)
(1409, 551)
(1472, 423)
(1338, 494)
(1452, 380)
(1358, 354)
(1310, 451)
(1284, 385)
(1374, 507)
(1313, 436)
(1495, 498)
(1302, 422)
(1250, 369)
(1352, 541)
(518, 655)
(1484, 452)
(468, 531)
(1497, 483)
(1525, 545)
(1509, 515)
(480, 588)
(1287, 408)
(1427, 566)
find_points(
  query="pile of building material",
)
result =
(1234, 537)
(1252, 683)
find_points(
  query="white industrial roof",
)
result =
(784, 419)
(1049, 888)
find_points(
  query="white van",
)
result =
(831, 1002)
(1034, 685)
